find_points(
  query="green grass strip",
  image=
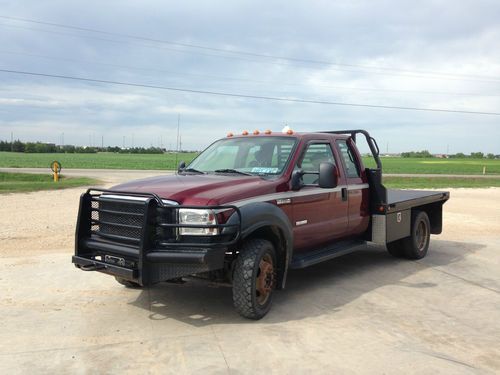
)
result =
(25, 182)
(439, 182)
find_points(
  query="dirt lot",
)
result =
(362, 313)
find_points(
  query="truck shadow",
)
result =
(312, 291)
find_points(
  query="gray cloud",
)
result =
(440, 36)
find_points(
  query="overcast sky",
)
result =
(424, 54)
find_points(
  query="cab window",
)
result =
(315, 154)
(351, 167)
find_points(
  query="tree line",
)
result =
(39, 147)
(459, 155)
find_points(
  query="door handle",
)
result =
(344, 194)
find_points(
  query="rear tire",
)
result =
(396, 249)
(127, 283)
(254, 279)
(416, 245)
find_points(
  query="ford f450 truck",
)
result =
(248, 209)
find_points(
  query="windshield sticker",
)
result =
(264, 170)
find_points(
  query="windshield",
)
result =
(253, 155)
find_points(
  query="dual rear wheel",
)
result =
(414, 246)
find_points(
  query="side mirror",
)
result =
(327, 175)
(297, 179)
(181, 166)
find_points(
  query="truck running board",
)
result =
(326, 253)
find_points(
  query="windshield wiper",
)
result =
(192, 170)
(228, 170)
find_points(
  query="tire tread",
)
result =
(243, 298)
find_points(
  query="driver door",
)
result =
(319, 215)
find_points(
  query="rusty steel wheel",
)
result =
(254, 278)
(265, 279)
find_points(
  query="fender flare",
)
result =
(255, 216)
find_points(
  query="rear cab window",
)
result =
(351, 164)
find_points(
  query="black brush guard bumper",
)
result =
(155, 252)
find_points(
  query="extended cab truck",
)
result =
(248, 209)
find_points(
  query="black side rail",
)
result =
(127, 193)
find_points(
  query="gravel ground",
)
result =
(363, 313)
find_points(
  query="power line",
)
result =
(434, 74)
(244, 59)
(232, 51)
(239, 79)
(236, 95)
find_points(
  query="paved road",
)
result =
(117, 175)
(106, 175)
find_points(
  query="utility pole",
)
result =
(132, 140)
(102, 141)
(11, 141)
(177, 143)
(123, 142)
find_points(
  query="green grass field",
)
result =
(101, 160)
(23, 182)
(436, 166)
(106, 160)
(439, 182)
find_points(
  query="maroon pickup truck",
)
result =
(248, 209)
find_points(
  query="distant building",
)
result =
(391, 155)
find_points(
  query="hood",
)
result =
(201, 189)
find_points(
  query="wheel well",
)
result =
(435, 213)
(275, 235)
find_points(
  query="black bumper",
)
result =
(137, 239)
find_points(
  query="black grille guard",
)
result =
(149, 247)
(152, 199)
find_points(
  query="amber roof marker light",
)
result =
(230, 134)
(287, 130)
(245, 132)
(268, 131)
(256, 132)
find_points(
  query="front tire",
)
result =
(254, 279)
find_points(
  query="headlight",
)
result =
(197, 217)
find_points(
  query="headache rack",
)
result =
(136, 236)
